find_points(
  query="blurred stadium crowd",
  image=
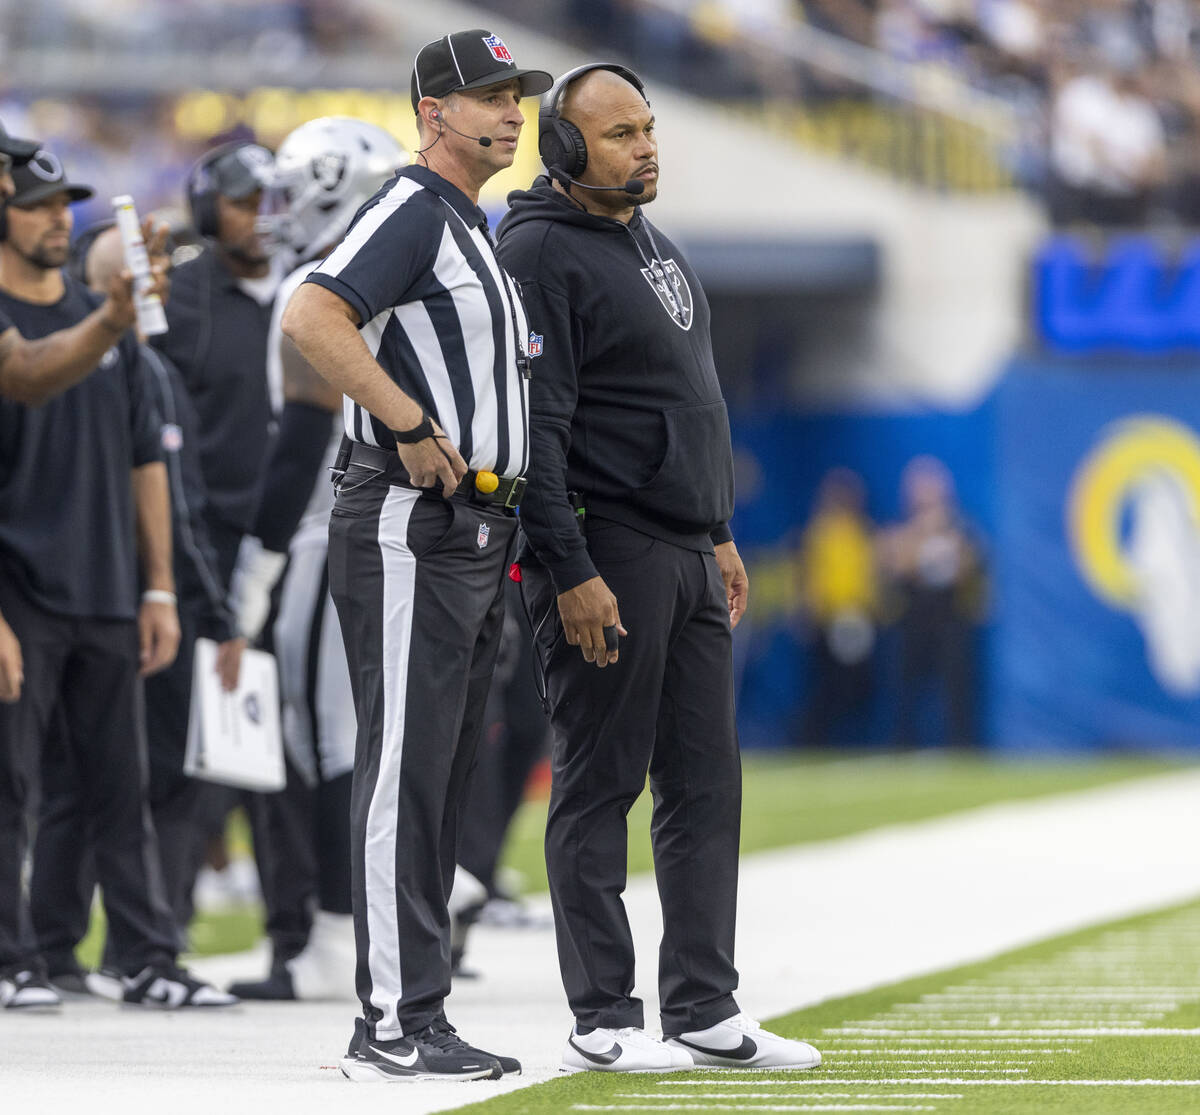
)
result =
(1094, 106)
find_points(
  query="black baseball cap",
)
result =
(42, 177)
(470, 60)
(19, 150)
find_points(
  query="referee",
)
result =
(412, 318)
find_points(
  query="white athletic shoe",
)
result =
(27, 991)
(323, 971)
(624, 1050)
(741, 1043)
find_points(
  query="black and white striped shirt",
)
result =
(439, 315)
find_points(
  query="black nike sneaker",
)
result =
(161, 987)
(599, 1049)
(434, 1053)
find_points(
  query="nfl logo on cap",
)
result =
(499, 51)
(535, 344)
(481, 539)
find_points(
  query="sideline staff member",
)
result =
(414, 320)
(626, 413)
(219, 315)
(68, 587)
(33, 371)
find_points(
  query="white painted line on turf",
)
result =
(756, 1107)
(941, 1050)
(1083, 1032)
(758, 1096)
(991, 1083)
(821, 1095)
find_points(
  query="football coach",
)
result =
(626, 525)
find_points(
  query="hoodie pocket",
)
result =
(694, 484)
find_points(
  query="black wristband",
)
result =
(419, 432)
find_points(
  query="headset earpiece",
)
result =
(560, 143)
(202, 188)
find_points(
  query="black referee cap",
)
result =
(470, 60)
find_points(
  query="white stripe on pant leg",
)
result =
(399, 578)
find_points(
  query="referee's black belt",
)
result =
(507, 494)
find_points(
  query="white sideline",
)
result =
(818, 921)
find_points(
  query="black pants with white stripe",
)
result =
(418, 584)
(666, 707)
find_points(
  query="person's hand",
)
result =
(12, 669)
(158, 633)
(586, 610)
(119, 311)
(160, 263)
(229, 662)
(433, 459)
(737, 584)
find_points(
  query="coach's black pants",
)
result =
(85, 672)
(665, 707)
(417, 581)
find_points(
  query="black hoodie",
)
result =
(625, 405)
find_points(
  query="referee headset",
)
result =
(560, 143)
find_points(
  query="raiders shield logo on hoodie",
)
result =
(672, 289)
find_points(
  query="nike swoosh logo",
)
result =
(747, 1051)
(605, 1058)
(407, 1061)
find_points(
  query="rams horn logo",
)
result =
(1133, 518)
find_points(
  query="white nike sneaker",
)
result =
(624, 1050)
(741, 1043)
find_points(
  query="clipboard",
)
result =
(235, 738)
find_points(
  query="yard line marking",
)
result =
(997, 1083)
(756, 1107)
(756, 1096)
(1082, 1032)
(823, 1095)
(880, 1053)
(790, 1083)
(866, 1039)
(930, 1063)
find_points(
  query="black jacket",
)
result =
(197, 576)
(218, 341)
(625, 405)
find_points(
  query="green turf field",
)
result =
(1103, 1021)
(788, 799)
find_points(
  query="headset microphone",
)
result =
(483, 141)
(633, 186)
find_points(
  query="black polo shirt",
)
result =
(217, 338)
(67, 531)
